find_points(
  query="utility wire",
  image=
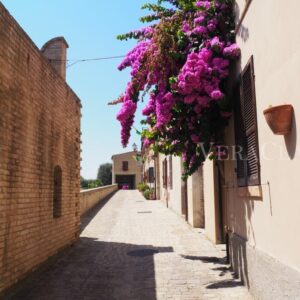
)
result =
(93, 59)
(72, 62)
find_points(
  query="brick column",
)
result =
(55, 51)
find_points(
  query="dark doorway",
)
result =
(126, 180)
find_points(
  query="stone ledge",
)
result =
(90, 198)
(98, 189)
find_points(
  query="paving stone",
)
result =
(98, 267)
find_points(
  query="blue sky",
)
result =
(90, 28)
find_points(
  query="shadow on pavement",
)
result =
(93, 270)
(206, 259)
(224, 284)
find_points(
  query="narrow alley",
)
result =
(131, 248)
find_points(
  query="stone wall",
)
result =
(89, 198)
(39, 132)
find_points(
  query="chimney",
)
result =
(55, 51)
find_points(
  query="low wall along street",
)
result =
(90, 198)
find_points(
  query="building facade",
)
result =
(184, 198)
(39, 150)
(127, 170)
(249, 200)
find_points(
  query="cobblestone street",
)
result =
(136, 249)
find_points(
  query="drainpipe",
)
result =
(238, 26)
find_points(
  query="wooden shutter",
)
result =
(171, 171)
(165, 173)
(248, 166)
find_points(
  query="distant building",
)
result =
(127, 170)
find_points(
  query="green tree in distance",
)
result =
(105, 174)
(89, 183)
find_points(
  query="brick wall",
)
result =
(39, 129)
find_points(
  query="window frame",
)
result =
(125, 165)
(151, 177)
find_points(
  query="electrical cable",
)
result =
(72, 62)
(92, 59)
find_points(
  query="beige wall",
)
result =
(175, 192)
(269, 32)
(272, 221)
(171, 196)
(196, 199)
(211, 199)
(263, 221)
(134, 167)
(90, 198)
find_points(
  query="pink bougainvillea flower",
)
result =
(216, 95)
(200, 30)
(216, 44)
(232, 51)
(183, 60)
(203, 4)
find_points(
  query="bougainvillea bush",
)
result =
(181, 61)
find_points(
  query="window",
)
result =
(247, 154)
(171, 171)
(151, 175)
(125, 165)
(165, 173)
(57, 191)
